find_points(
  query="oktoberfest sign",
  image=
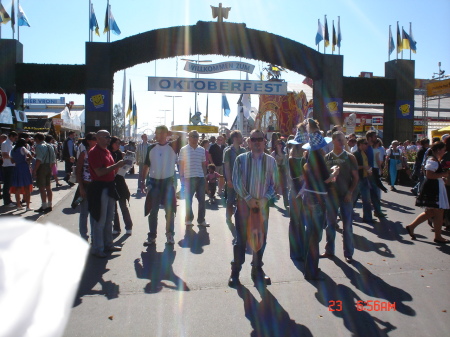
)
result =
(218, 67)
(211, 85)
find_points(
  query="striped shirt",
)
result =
(255, 178)
(193, 160)
(141, 152)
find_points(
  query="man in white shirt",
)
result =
(159, 164)
(192, 161)
(8, 168)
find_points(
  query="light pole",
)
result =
(165, 116)
(440, 75)
(173, 107)
(196, 76)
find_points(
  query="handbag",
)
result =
(399, 166)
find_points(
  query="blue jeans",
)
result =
(102, 229)
(83, 220)
(231, 198)
(195, 185)
(161, 192)
(241, 219)
(346, 210)
(8, 172)
(368, 195)
(315, 209)
(297, 222)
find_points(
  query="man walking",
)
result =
(340, 196)
(141, 153)
(69, 156)
(160, 161)
(192, 161)
(229, 157)
(102, 194)
(371, 137)
(254, 177)
(216, 152)
(8, 168)
(45, 157)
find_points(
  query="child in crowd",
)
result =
(211, 180)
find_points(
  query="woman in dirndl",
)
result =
(433, 194)
(394, 163)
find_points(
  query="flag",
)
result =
(206, 116)
(412, 42)
(4, 16)
(391, 42)
(225, 105)
(246, 105)
(133, 120)
(190, 115)
(124, 92)
(405, 40)
(110, 22)
(334, 39)
(22, 18)
(339, 35)
(130, 103)
(319, 35)
(13, 17)
(326, 37)
(93, 24)
(399, 40)
(308, 81)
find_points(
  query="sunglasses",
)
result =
(107, 137)
(193, 136)
(259, 139)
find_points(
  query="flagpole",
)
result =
(402, 42)
(339, 33)
(332, 46)
(324, 42)
(13, 19)
(109, 23)
(398, 32)
(318, 25)
(410, 43)
(389, 43)
(90, 13)
(18, 26)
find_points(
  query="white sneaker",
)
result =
(11, 205)
(30, 209)
(170, 239)
(189, 223)
(129, 231)
(204, 224)
(20, 208)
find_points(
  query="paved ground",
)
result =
(182, 290)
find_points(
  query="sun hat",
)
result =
(316, 142)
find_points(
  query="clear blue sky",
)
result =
(59, 30)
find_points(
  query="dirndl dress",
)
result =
(21, 175)
(433, 193)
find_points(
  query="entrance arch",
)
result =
(206, 38)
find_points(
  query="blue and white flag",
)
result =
(110, 22)
(225, 106)
(22, 19)
(319, 35)
(93, 24)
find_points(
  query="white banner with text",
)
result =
(210, 85)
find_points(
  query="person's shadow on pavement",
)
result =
(157, 266)
(268, 317)
(92, 275)
(195, 240)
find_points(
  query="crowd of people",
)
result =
(319, 179)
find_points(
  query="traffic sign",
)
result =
(3, 100)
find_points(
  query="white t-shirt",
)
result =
(162, 161)
(7, 147)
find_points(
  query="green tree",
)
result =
(118, 127)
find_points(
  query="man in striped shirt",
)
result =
(141, 153)
(254, 177)
(192, 161)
